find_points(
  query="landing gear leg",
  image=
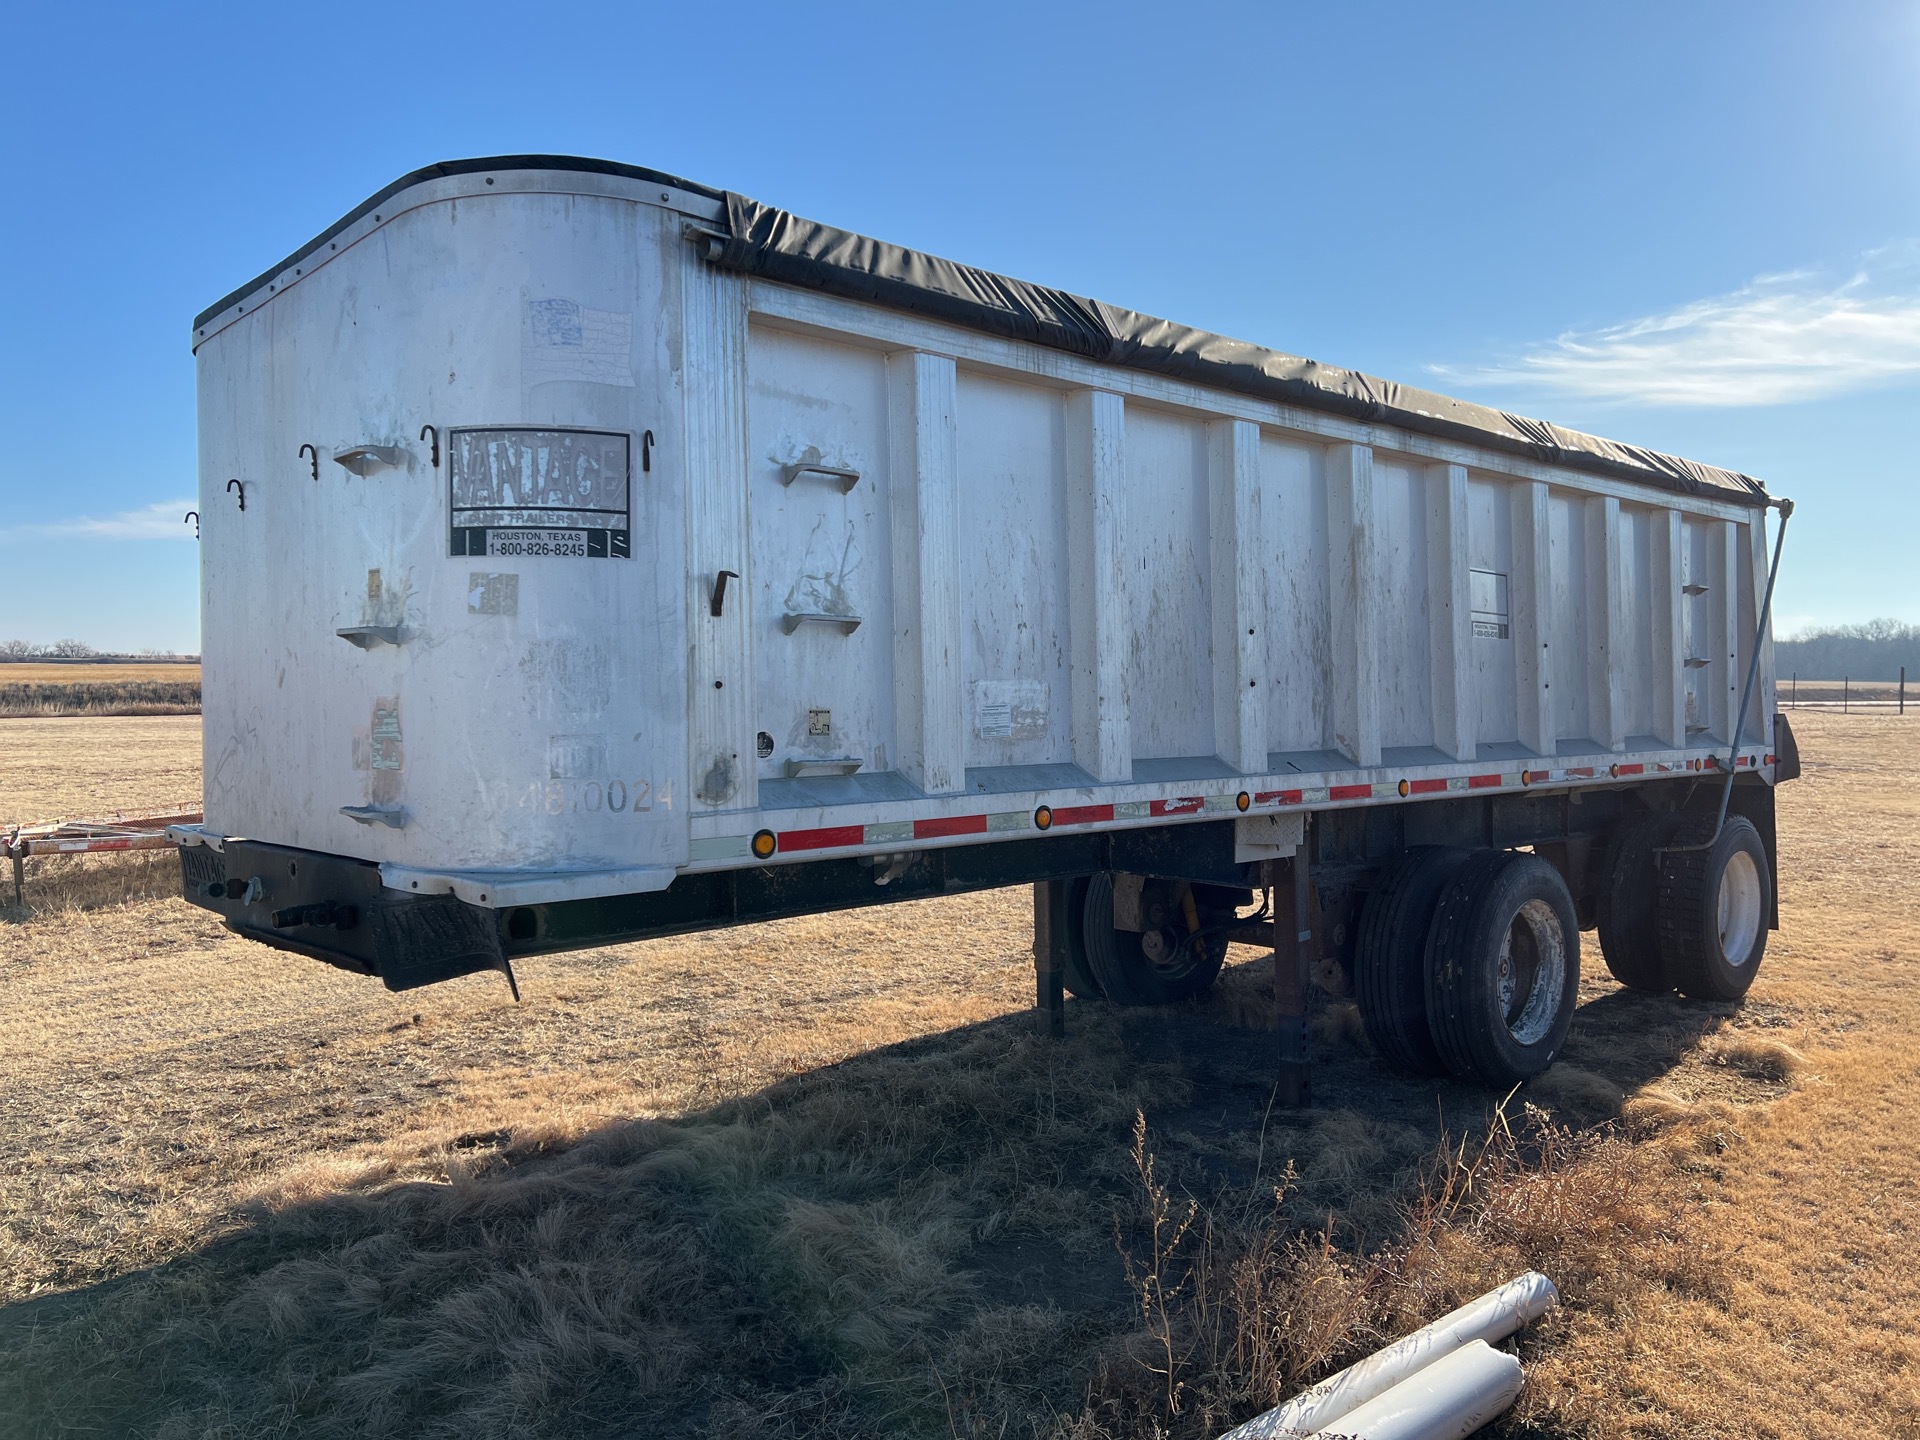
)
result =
(1050, 902)
(1292, 968)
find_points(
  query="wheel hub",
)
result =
(1738, 909)
(1532, 972)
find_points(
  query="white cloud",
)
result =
(1799, 335)
(161, 520)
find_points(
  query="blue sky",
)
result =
(1694, 226)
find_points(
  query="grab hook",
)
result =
(717, 605)
(193, 515)
(313, 458)
(426, 432)
(235, 485)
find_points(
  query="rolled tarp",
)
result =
(1448, 1400)
(1494, 1316)
(778, 245)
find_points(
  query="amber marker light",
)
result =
(1043, 818)
(764, 844)
(1405, 789)
(1242, 800)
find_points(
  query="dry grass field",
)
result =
(1868, 695)
(90, 768)
(27, 688)
(818, 1177)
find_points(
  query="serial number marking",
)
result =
(571, 797)
(521, 544)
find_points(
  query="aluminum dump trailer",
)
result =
(590, 554)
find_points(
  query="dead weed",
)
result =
(1237, 1309)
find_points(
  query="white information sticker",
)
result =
(1010, 709)
(516, 544)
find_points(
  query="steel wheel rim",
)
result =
(1737, 909)
(1178, 956)
(1532, 972)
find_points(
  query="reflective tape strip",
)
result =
(721, 847)
(87, 846)
(1081, 814)
(839, 837)
(833, 837)
(950, 825)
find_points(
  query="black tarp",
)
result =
(781, 246)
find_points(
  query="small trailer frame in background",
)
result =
(86, 837)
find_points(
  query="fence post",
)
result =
(1903, 689)
(1793, 692)
(1846, 693)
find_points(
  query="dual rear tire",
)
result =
(1503, 968)
(1469, 964)
(1685, 909)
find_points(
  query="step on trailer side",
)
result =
(590, 555)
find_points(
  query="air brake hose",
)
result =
(1785, 507)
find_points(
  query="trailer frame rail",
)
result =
(87, 837)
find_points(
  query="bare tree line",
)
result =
(1872, 651)
(78, 650)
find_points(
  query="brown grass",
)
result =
(1239, 1310)
(99, 690)
(93, 769)
(817, 1178)
(1760, 1059)
(81, 672)
(38, 690)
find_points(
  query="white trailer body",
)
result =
(549, 556)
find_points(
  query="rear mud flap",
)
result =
(426, 938)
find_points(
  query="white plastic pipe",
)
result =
(1448, 1400)
(1494, 1316)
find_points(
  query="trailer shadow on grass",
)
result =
(918, 1240)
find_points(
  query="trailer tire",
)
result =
(1079, 974)
(1503, 967)
(1629, 903)
(1121, 966)
(1714, 905)
(1390, 957)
